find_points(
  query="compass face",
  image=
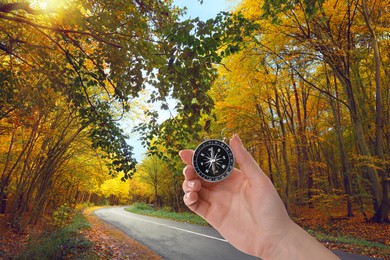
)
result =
(213, 160)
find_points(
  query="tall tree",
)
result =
(305, 38)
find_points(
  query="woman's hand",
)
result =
(245, 207)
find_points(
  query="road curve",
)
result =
(170, 239)
(175, 240)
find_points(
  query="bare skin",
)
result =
(247, 210)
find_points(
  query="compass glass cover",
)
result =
(213, 160)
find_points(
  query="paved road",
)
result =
(170, 239)
(175, 240)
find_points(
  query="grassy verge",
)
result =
(67, 242)
(348, 240)
(353, 245)
(187, 217)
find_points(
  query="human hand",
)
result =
(245, 207)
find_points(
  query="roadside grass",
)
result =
(188, 217)
(353, 245)
(67, 242)
(348, 240)
(166, 213)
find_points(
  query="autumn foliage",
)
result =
(69, 73)
(308, 94)
(304, 83)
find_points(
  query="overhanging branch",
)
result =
(56, 29)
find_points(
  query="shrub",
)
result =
(66, 242)
(62, 216)
(142, 206)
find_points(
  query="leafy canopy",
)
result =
(99, 55)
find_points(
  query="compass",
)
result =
(213, 160)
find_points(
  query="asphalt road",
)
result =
(175, 240)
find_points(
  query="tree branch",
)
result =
(38, 26)
(9, 7)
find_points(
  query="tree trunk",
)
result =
(284, 151)
(376, 188)
(345, 165)
(5, 176)
(271, 176)
(272, 149)
(302, 143)
(382, 211)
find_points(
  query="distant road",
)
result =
(174, 240)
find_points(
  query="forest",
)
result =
(306, 85)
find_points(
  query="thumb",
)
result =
(244, 159)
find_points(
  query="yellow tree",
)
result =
(336, 33)
(291, 59)
(115, 190)
(152, 171)
(139, 190)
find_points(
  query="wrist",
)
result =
(275, 243)
(296, 243)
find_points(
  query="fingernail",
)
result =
(184, 170)
(191, 184)
(239, 139)
(187, 195)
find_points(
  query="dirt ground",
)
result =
(111, 243)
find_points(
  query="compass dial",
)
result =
(213, 160)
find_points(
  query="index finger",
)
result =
(186, 156)
(189, 171)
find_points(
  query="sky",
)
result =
(207, 10)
